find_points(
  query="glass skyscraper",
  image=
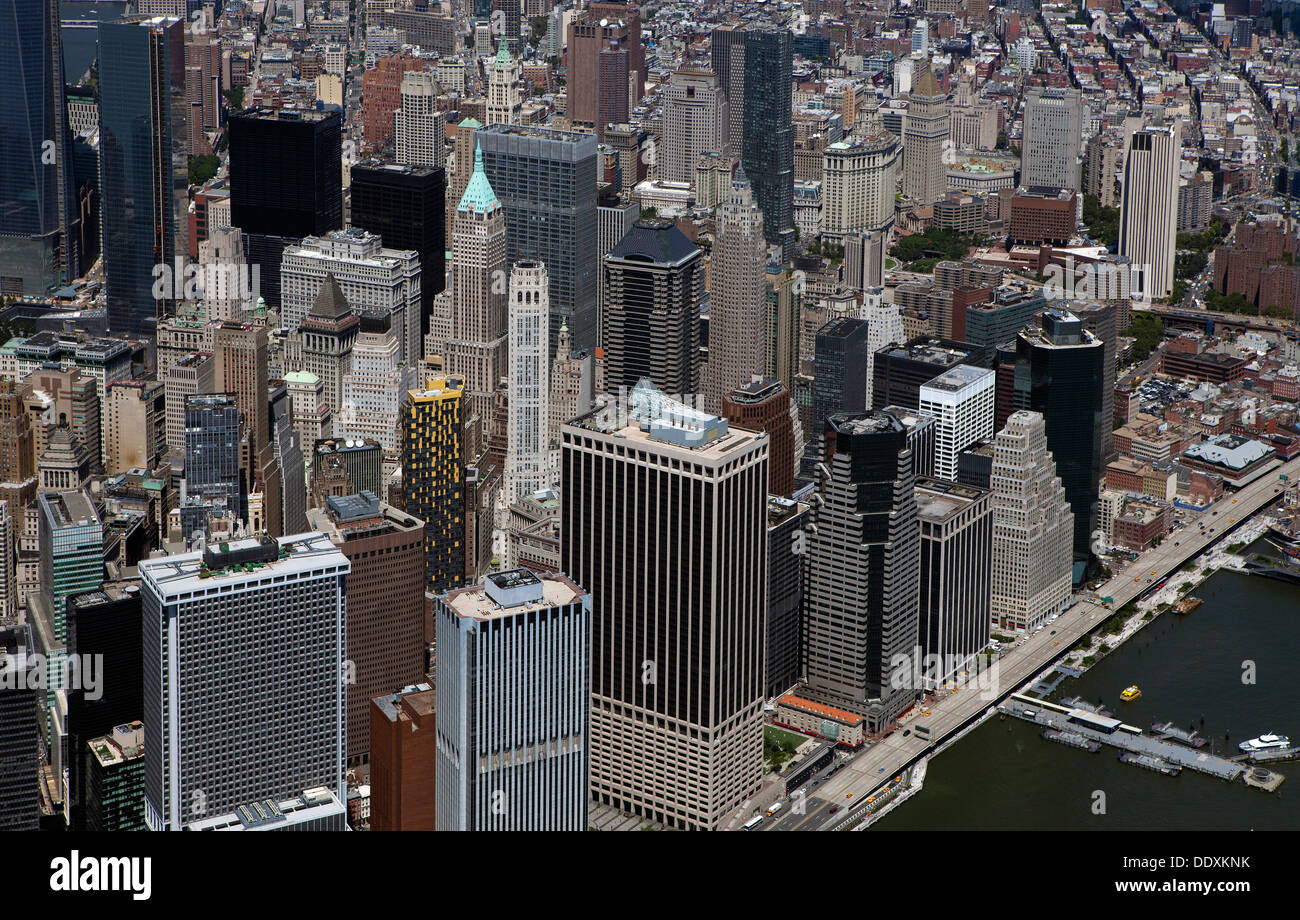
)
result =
(769, 130)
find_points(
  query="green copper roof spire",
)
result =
(479, 197)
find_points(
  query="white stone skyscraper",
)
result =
(1033, 527)
(419, 128)
(230, 285)
(503, 105)
(1049, 150)
(1148, 215)
(925, 140)
(695, 121)
(884, 327)
(737, 297)
(375, 385)
(859, 179)
(527, 437)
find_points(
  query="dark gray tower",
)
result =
(769, 130)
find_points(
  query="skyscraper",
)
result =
(328, 332)
(859, 179)
(503, 103)
(1032, 527)
(786, 523)
(1148, 217)
(403, 759)
(418, 126)
(738, 296)
(839, 376)
(654, 282)
(546, 183)
(695, 122)
(764, 405)
(961, 401)
(600, 27)
(20, 750)
(768, 134)
(244, 648)
(286, 183)
(863, 572)
(514, 700)
(143, 167)
(527, 439)
(676, 718)
(433, 473)
(38, 220)
(72, 551)
(1059, 374)
(290, 466)
(212, 448)
(1049, 149)
(727, 58)
(925, 135)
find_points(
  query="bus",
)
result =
(753, 823)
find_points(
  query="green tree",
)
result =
(234, 98)
(1147, 331)
(203, 168)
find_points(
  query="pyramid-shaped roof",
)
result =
(479, 197)
(330, 302)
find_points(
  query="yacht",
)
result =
(1265, 743)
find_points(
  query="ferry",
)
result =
(1130, 693)
(1268, 742)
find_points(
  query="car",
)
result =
(834, 808)
(881, 770)
(907, 732)
(1177, 543)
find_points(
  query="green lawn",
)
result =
(783, 737)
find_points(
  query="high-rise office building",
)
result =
(1059, 374)
(737, 296)
(528, 390)
(898, 371)
(1148, 217)
(289, 463)
(404, 205)
(839, 376)
(514, 700)
(20, 750)
(192, 374)
(768, 154)
(10, 528)
(373, 389)
(961, 401)
(135, 425)
(600, 27)
(956, 589)
(925, 136)
(859, 178)
(39, 222)
(328, 332)
(419, 127)
(884, 328)
(213, 471)
(1102, 320)
(654, 283)
(244, 657)
(1049, 147)
(695, 122)
(1032, 527)
(143, 168)
(113, 798)
(863, 572)
(72, 551)
(503, 102)
(433, 473)
(286, 183)
(764, 405)
(676, 720)
(727, 59)
(546, 183)
(404, 759)
(786, 523)
(240, 352)
(385, 602)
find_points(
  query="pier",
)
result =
(1168, 730)
(1147, 762)
(1071, 739)
(1259, 778)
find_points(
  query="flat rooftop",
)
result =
(938, 500)
(959, 378)
(186, 572)
(476, 601)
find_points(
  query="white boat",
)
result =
(1265, 743)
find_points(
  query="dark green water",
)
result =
(1003, 775)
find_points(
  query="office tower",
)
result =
(244, 647)
(113, 798)
(65, 463)
(612, 105)
(768, 154)
(996, 322)
(616, 217)
(898, 371)
(764, 405)
(135, 425)
(20, 751)
(381, 96)
(192, 374)
(1049, 148)
(506, 16)
(961, 401)
(72, 551)
(546, 183)
(286, 183)
(956, 590)
(17, 439)
(925, 136)
(38, 219)
(839, 377)
(328, 333)
(432, 474)
(676, 722)
(572, 385)
(476, 350)
(503, 102)
(240, 353)
(290, 467)
(727, 59)
(202, 90)
(1059, 375)
(1148, 214)
(528, 385)
(376, 384)
(738, 296)
(1032, 527)
(213, 472)
(859, 178)
(385, 602)
(654, 282)
(863, 571)
(921, 437)
(513, 698)
(418, 126)
(1101, 320)
(229, 287)
(143, 169)
(694, 122)
(786, 522)
(884, 328)
(373, 277)
(312, 419)
(600, 27)
(403, 759)
(404, 206)
(76, 399)
(10, 527)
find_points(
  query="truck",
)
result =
(776, 806)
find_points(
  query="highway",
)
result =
(867, 772)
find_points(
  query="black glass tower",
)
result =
(769, 130)
(839, 378)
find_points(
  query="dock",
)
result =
(1147, 762)
(1076, 702)
(1275, 755)
(1071, 739)
(1168, 730)
(1259, 778)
